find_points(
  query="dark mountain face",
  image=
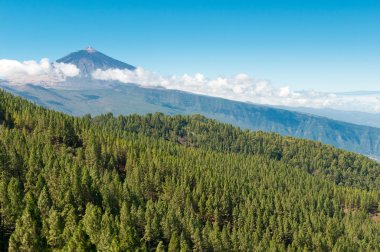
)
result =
(88, 60)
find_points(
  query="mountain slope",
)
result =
(200, 132)
(128, 99)
(89, 184)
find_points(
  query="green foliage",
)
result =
(182, 183)
(27, 236)
(341, 167)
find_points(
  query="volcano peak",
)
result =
(90, 49)
(88, 60)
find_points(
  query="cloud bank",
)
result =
(42, 72)
(244, 88)
(240, 87)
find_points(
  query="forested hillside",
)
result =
(342, 167)
(183, 183)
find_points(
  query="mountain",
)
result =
(89, 59)
(85, 95)
(176, 183)
(355, 117)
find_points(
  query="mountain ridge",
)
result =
(89, 96)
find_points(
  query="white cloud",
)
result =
(42, 72)
(284, 92)
(240, 87)
(245, 88)
(68, 70)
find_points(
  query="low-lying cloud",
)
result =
(244, 88)
(42, 72)
(240, 87)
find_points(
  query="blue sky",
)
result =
(327, 45)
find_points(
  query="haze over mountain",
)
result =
(83, 93)
(355, 117)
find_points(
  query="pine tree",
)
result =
(44, 202)
(127, 233)
(174, 243)
(184, 246)
(55, 223)
(160, 247)
(70, 218)
(79, 241)
(108, 232)
(15, 196)
(92, 222)
(4, 160)
(26, 236)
